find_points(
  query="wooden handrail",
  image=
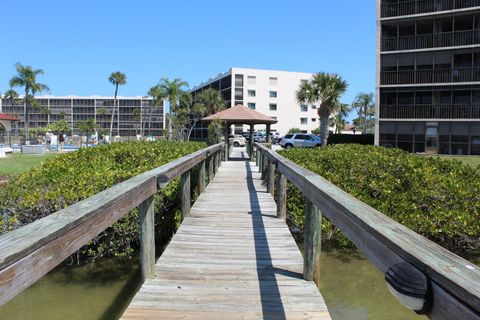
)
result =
(455, 282)
(28, 253)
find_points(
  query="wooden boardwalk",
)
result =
(231, 259)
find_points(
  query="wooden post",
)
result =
(257, 157)
(201, 177)
(227, 142)
(260, 162)
(268, 140)
(185, 194)
(146, 212)
(251, 142)
(211, 160)
(270, 176)
(313, 242)
(264, 166)
(281, 188)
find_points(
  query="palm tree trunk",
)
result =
(25, 111)
(324, 128)
(113, 112)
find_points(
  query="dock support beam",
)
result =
(201, 177)
(185, 194)
(250, 144)
(270, 176)
(210, 160)
(313, 242)
(281, 189)
(146, 212)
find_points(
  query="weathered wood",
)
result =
(312, 243)
(146, 212)
(210, 160)
(270, 177)
(257, 157)
(281, 190)
(231, 259)
(201, 177)
(185, 194)
(385, 241)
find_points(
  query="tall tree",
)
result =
(364, 103)
(172, 90)
(339, 118)
(117, 79)
(12, 96)
(211, 100)
(326, 89)
(158, 95)
(27, 77)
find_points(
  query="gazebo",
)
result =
(240, 115)
(6, 121)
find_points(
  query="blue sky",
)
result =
(79, 43)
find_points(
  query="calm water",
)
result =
(352, 287)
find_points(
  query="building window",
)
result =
(303, 108)
(303, 120)
(273, 81)
(273, 94)
(251, 93)
(251, 105)
(274, 118)
(251, 80)
(314, 119)
(273, 107)
(239, 80)
(314, 106)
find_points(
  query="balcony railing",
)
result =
(430, 76)
(438, 40)
(457, 111)
(424, 6)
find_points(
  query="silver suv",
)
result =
(300, 140)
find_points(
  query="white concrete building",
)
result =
(270, 92)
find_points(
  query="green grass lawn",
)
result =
(473, 161)
(17, 162)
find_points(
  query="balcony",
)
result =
(430, 76)
(438, 40)
(424, 6)
(458, 111)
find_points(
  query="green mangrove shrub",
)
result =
(437, 198)
(69, 178)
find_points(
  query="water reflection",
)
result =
(354, 289)
(86, 292)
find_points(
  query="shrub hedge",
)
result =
(69, 178)
(437, 198)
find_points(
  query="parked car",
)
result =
(237, 140)
(257, 137)
(300, 140)
(276, 138)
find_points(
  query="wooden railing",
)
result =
(454, 282)
(28, 253)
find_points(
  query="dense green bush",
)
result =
(437, 198)
(69, 178)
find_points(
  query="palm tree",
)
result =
(364, 103)
(172, 90)
(211, 100)
(27, 77)
(326, 89)
(158, 95)
(339, 119)
(116, 78)
(12, 96)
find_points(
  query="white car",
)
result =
(237, 140)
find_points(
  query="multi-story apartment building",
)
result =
(73, 109)
(428, 75)
(270, 92)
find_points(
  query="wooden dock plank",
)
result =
(230, 259)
